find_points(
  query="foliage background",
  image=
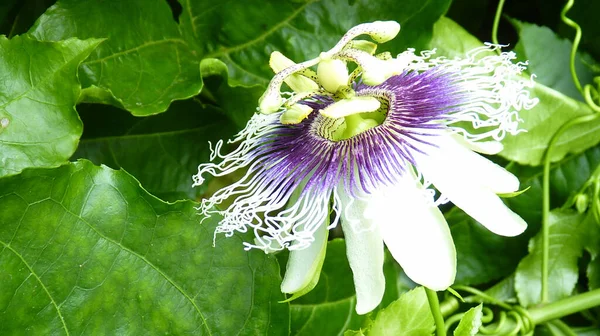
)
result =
(111, 105)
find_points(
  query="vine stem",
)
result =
(546, 198)
(564, 307)
(548, 154)
(434, 306)
(497, 22)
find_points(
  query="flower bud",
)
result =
(581, 202)
(332, 74)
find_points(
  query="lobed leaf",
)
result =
(249, 31)
(536, 43)
(39, 126)
(144, 63)
(85, 250)
(566, 241)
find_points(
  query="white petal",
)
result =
(474, 193)
(416, 233)
(364, 248)
(464, 164)
(490, 147)
(302, 264)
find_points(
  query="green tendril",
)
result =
(576, 40)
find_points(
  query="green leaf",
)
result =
(451, 40)
(329, 309)
(481, 255)
(567, 231)
(542, 121)
(250, 30)
(470, 322)
(536, 43)
(504, 290)
(409, 315)
(85, 250)
(145, 62)
(39, 89)
(161, 151)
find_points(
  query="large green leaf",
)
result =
(145, 63)
(161, 151)
(329, 309)
(38, 92)
(85, 250)
(541, 122)
(409, 315)
(536, 43)
(248, 31)
(566, 240)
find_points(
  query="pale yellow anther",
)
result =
(354, 105)
(296, 82)
(270, 101)
(332, 74)
(384, 31)
(374, 70)
(295, 114)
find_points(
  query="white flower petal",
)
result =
(463, 164)
(473, 192)
(416, 233)
(489, 147)
(302, 264)
(364, 248)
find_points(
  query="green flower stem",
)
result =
(434, 305)
(565, 307)
(546, 197)
(576, 40)
(497, 22)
